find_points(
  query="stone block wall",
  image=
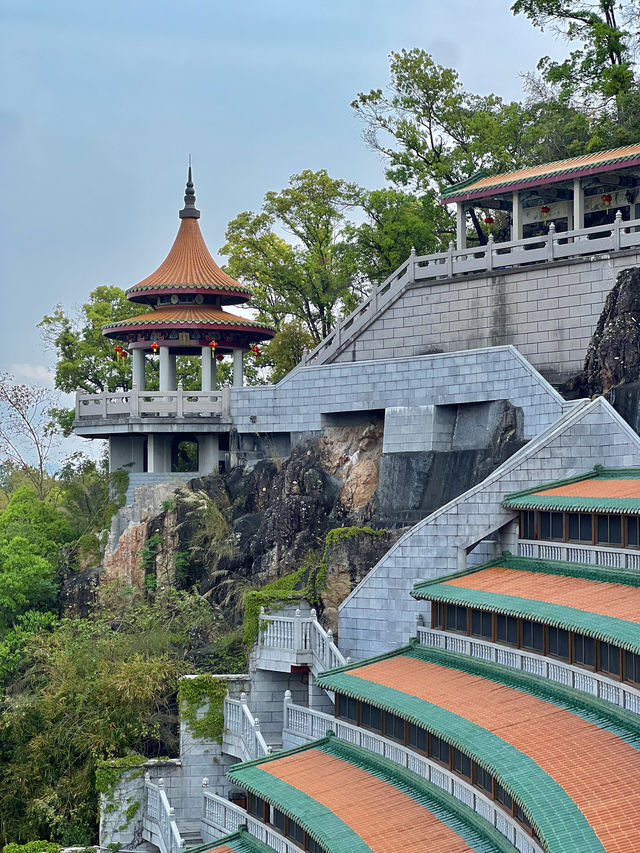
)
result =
(301, 401)
(379, 615)
(547, 311)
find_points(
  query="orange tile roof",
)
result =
(187, 316)
(597, 769)
(223, 849)
(544, 173)
(189, 266)
(596, 488)
(378, 812)
(605, 599)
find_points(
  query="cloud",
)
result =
(39, 374)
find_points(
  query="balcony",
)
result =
(593, 555)
(134, 404)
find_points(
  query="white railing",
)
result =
(514, 253)
(160, 814)
(301, 638)
(220, 817)
(150, 404)
(310, 725)
(242, 730)
(593, 683)
(594, 555)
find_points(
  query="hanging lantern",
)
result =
(155, 346)
(256, 351)
(117, 349)
(607, 199)
(545, 210)
(488, 221)
(219, 357)
(213, 346)
(124, 353)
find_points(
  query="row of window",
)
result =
(616, 531)
(266, 813)
(395, 728)
(568, 646)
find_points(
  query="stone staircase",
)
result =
(190, 834)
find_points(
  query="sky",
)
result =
(101, 103)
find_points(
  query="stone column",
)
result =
(208, 453)
(516, 223)
(138, 368)
(172, 373)
(238, 372)
(578, 204)
(164, 378)
(208, 364)
(159, 453)
(461, 226)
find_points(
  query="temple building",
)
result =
(577, 193)
(185, 316)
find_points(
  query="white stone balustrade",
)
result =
(555, 246)
(594, 555)
(159, 822)
(220, 817)
(242, 736)
(151, 404)
(594, 683)
(296, 640)
(304, 724)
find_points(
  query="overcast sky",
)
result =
(100, 103)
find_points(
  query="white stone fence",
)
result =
(221, 817)
(615, 558)
(152, 404)
(594, 683)
(298, 640)
(303, 723)
(242, 736)
(494, 256)
(159, 819)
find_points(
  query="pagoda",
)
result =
(187, 294)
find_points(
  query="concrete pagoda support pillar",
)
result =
(167, 379)
(159, 453)
(578, 204)
(461, 226)
(238, 372)
(137, 356)
(208, 382)
(516, 217)
(208, 453)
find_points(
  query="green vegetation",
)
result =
(273, 595)
(193, 694)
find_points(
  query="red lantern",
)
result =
(155, 346)
(124, 354)
(117, 349)
(545, 210)
(256, 351)
(220, 357)
(607, 199)
(213, 346)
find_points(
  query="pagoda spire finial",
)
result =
(189, 211)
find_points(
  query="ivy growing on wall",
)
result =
(201, 690)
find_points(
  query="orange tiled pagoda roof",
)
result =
(189, 268)
(189, 317)
(482, 185)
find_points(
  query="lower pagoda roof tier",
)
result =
(547, 745)
(347, 798)
(189, 269)
(212, 322)
(596, 601)
(602, 490)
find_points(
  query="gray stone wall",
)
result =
(379, 615)
(548, 312)
(303, 398)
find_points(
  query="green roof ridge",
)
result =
(205, 285)
(564, 568)
(516, 500)
(552, 812)
(611, 629)
(473, 829)
(476, 176)
(597, 711)
(241, 841)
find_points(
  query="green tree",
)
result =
(26, 581)
(312, 278)
(42, 524)
(85, 359)
(608, 31)
(285, 350)
(396, 222)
